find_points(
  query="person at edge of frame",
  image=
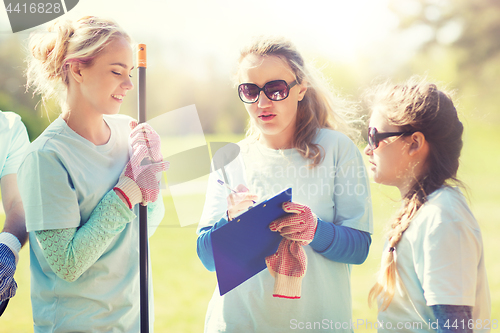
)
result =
(14, 142)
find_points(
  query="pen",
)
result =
(227, 186)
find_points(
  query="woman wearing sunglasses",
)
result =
(294, 140)
(433, 276)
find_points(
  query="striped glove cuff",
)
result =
(12, 242)
(129, 189)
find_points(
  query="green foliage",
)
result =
(217, 103)
(12, 92)
(473, 26)
(461, 46)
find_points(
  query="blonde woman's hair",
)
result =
(420, 107)
(319, 108)
(51, 52)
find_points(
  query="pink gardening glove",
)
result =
(144, 135)
(139, 183)
(288, 265)
(301, 226)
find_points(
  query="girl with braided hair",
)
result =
(433, 274)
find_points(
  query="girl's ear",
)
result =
(418, 144)
(75, 71)
(302, 89)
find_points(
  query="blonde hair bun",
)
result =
(66, 41)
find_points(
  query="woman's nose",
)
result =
(368, 150)
(264, 102)
(127, 84)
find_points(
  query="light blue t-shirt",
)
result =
(337, 191)
(61, 180)
(13, 142)
(439, 260)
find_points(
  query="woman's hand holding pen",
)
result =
(239, 201)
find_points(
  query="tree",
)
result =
(467, 31)
(12, 87)
(470, 26)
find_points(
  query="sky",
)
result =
(182, 32)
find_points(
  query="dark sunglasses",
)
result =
(276, 90)
(374, 136)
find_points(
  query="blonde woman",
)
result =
(295, 141)
(80, 187)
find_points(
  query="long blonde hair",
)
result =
(65, 42)
(417, 106)
(319, 108)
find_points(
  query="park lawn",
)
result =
(183, 287)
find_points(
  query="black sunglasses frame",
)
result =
(288, 87)
(374, 136)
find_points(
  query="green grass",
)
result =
(183, 287)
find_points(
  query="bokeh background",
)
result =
(193, 47)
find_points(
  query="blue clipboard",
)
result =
(241, 246)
